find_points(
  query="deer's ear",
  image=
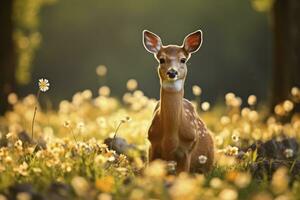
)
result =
(152, 42)
(193, 41)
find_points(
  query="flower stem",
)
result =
(34, 113)
(115, 135)
(72, 132)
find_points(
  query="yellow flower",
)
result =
(125, 119)
(23, 196)
(252, 100)
(105, 184)
(101, 70)
(131, 84)
(104, 91)
(205, 106)
(280, 180)
(156, 169)
(228, 194)
(197, 90)
(67, 123)
(44, 84)
(80, 185)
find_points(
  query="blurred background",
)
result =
(250, 47)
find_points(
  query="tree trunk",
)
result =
(286, 70)
(7, 54)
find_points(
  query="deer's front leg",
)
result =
(154, 152)
(183, 161)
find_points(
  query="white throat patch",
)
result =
(173, 86)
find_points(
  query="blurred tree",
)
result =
(7, 53)
(285, 24)
(20, 39)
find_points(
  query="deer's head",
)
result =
(172, 59)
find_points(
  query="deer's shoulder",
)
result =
(188, 106)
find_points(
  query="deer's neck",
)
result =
(171, 107)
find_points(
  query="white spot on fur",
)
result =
(202, 159)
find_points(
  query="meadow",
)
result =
(68, 152)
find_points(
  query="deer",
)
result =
(177, 134)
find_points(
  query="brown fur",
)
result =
(176, 132)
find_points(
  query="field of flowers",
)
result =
(68, 153)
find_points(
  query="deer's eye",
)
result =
(183, 60)
(162, 61)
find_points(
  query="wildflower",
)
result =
(37, 170)
(235, 136)
(104, 91)
(101, 70)
(225, 120)
(205, 106)
(104, 196)
(295, 91)
(288, 105)
(253, 116)
(23, 196)
(279, 110)
(105, 184)
(245, 112)
(228, 194)
(80, 185)
(87, 94)
(215, 183)
(242, 180)
(156, 169)
(19, 145)
(44, 84)
(2, 168)
(22, 169)
(11, 135)
(196, 90)
(231, 175)
(231, 151)
(2, 197)
(126, 119)
(288, 153)
(202, 159)
(67, 123)
(280, 180)
(252, 100)
(184, 188)
(12, 98)
(80, 125)
(229, 96)
(101, 121)
(111, 158)
(100, 159)
(219, 140)
(131, 84)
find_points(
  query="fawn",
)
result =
(176, 132)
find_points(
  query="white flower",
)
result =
(44, 84)
(289, 153)
(202, 159)
(80, 125)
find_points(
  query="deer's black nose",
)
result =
(172, 73)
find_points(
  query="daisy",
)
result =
(44, 84)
